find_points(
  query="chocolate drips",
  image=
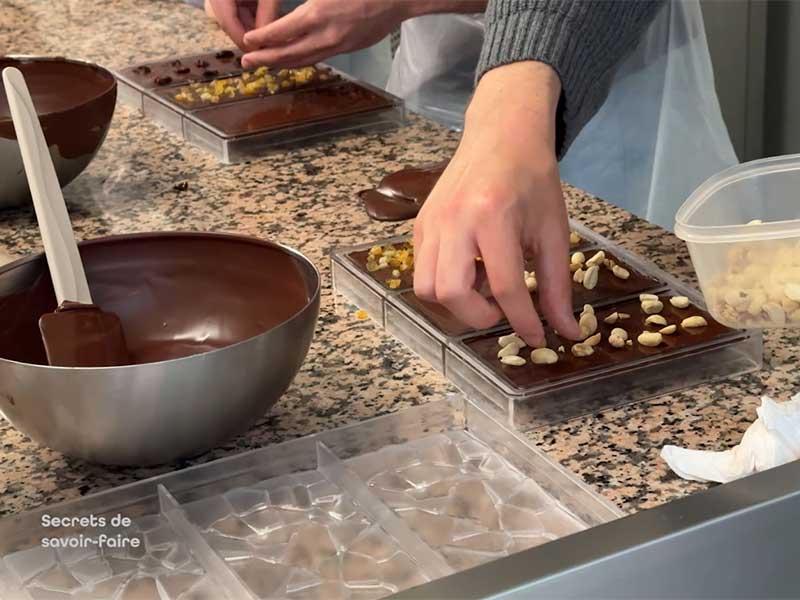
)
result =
(74, 101)
(176, 294)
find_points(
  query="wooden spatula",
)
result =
(78, 334)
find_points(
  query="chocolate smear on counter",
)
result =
(400, 195)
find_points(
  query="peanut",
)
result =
(616, 341)
(511, 338)
(577, 258)
(597, 259)
(695, 321)
(612, 318)
(623, 316)
(774, 313)
(655, 320)
(509, 350)
(587, 308)
(649, 338)
(620, 333)
(578, 276)
(544, 356)
(643, 297)
(651, 307)
(590, 277)
(792, 291)
(574, 238)
(582, 350)
(593, 340)
(668, 330)
(514, 360)
(620, 272)
(531, 284)
(679, 301)
(588, 324)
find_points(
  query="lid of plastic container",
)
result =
(740, 232)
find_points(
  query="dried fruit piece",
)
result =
(544, 356)
(695, 321)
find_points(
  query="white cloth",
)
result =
(772, 440)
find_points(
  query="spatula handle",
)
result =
(63, 259)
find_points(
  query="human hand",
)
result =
(500, 198)
(237, 17)
(319, 29)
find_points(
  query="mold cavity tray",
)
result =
(362, 511)
(534, 395)
(212, 102)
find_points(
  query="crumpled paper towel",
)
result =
(773, 439)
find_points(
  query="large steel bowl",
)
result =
(74, 101)
(146, 414)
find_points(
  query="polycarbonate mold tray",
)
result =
(358, 512)
(543, 404)
(188, 123)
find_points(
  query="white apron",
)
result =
(657, 137)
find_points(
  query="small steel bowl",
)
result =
(145, 414)
(75, 103)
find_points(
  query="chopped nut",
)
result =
(393, 283)
(679, 301)
(623, 316)
(629, 342)
(668, 330)
(531, 284)
(609, 263)
(544, 356)
(590, 277)
(587, 308)
(588, 324)
(655, 320)
(620, 272)
(649, 338)
(593, 340)
(509, 350)
(511, 338)
(578, 276)
(561, 349)
(581, 350)
(574, 238)
(395, 273)
(616, 341)
(573, 268)
(620, 332)
(644, 297)
(514, 361)
(612, 318)
(695, 321)
(597, 259)
(577, 258)
(651, 307)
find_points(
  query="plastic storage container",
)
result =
(742, 227)
(362, 511)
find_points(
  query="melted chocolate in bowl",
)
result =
(177, 294)
(74, 101)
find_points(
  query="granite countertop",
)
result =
(304, 199)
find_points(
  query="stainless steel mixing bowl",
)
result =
(154, 413)
(75, 103)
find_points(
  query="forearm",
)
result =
(418, 8)
(582, 40)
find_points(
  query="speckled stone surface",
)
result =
(304, 199)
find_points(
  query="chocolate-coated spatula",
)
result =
(78, 334)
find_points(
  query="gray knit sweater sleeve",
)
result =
(583, 40)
